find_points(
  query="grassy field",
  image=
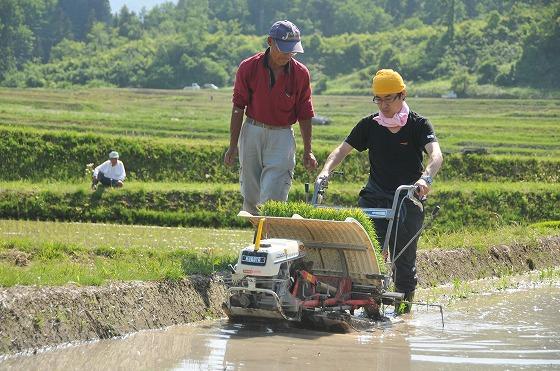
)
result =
(513, 127)
(205, 240)
(100, 235)
(45, 253)
(522, 136)
(51, 263)
(51, 253)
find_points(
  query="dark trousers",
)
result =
(101, 178)
(410, 221)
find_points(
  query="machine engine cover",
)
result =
(267, 259)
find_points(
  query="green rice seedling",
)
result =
(504, 282)
(549, 273)
(461, 289)
(287, 209)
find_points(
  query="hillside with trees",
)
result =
(472, 47)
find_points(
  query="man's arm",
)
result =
(309, 160)
(234, 130)
(434, 164)
(122, 174)
(98, 169)
(335, 158)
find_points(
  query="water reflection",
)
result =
(513, 330)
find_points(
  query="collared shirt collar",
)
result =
(287, 68)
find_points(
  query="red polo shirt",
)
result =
(281, 102)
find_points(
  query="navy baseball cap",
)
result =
(287, 37)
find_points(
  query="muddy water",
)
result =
(512, 330)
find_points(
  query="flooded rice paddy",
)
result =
(511, 330)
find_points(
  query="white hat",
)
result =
(114, 154)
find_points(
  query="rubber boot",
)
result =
(403, 307)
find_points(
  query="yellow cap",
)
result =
(387, 82)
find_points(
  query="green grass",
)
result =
(471, 204)
(23, 262)
(529, 127)
(133, 186)
(55, 253)
(97, 235)
(335, 186)
(50, 253)
(482, 239)
(353, 84)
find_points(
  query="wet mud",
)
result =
(35, 317)
(488, 332)
(436, 267)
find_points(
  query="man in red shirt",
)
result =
(273, 90)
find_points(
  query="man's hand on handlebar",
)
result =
(422, 188)
(322, 179)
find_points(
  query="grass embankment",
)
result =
(481, 205)
(54, 253)
(45, 155)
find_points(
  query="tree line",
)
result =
(61, 43)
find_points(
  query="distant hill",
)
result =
(480, 48)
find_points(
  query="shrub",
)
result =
(35, 155)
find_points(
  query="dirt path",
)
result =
(35, 317)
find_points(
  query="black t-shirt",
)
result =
(395, 159)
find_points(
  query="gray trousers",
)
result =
(267, 160)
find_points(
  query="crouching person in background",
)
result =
(111, 173)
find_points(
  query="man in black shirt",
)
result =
(396, 139)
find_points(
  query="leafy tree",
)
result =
(16, 38)
(84, 13)
(161, 17)
(389, 59)
(262, 13)
(128, 24)
(192, 17)
(67, 49)
(461, 83)
(349, 18)
(233, 10)
(540, 62)
(64, 42)
(487, 72)
(100, 37)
